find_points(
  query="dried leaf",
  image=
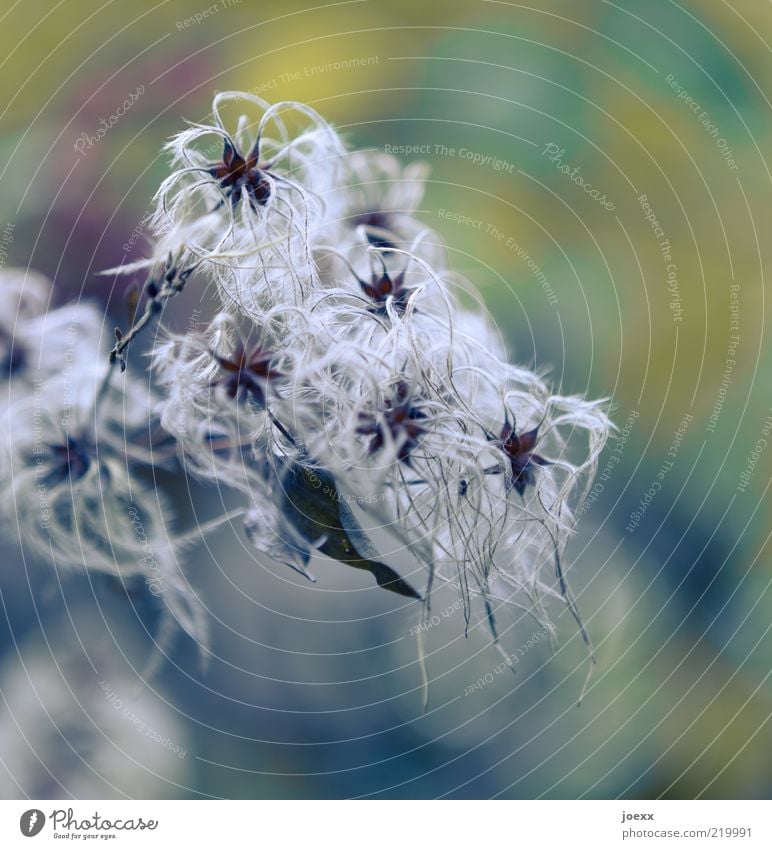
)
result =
(311, 502)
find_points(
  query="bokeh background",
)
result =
(315, 691)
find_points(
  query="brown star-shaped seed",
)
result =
(520, 453)
(402, 419)
(383, 286)
(242, 176)
(70, 460)
(377, 224)
(247, 372)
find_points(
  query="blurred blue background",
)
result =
(314, 691)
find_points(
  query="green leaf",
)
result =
(311, 502)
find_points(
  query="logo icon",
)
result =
(32, 822)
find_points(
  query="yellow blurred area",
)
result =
(638, 98)
(291, 50)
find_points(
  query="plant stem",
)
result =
(160, 291)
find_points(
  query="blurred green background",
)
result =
(314, 691)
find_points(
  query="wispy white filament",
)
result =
(341, 342)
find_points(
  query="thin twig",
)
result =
(159, 292)
(200, 531)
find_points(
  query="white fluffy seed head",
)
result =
(248, 195)
(390, 384)
(72, 497)
(341, 342)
